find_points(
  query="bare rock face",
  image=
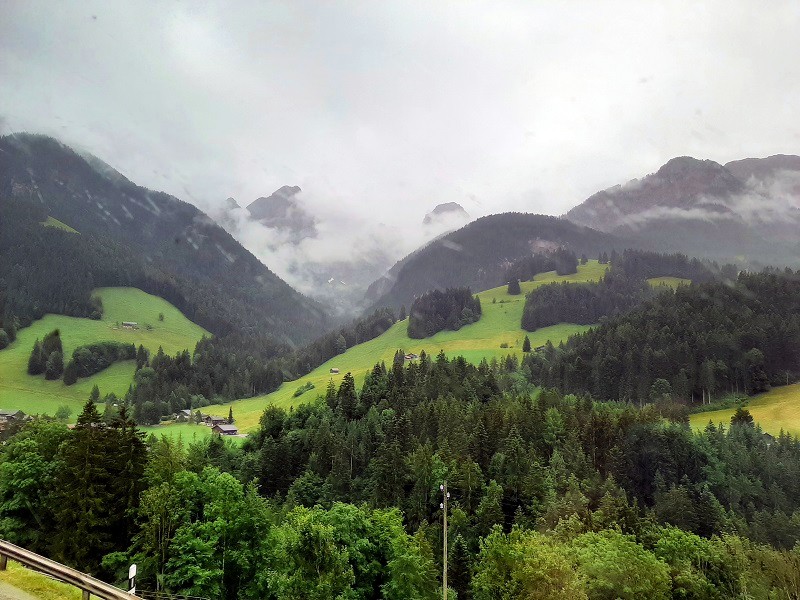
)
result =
(681, 185)
(282, 210)
(448, 210)
(747, 211)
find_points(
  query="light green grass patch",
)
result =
(776, 410)
(186, 431)
(671, 282)
(20, 391)
(38, 585)
(499, 323)
(53, 222)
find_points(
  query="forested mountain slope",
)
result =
(131, 234)
(477, 255)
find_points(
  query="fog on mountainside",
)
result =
(747, 211)
(328, 256)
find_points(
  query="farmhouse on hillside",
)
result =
(411, 356)
(130, 325)
(184, 415)
(214, 421)
(225, 429)
(334, 371)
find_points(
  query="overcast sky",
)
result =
(385, 109)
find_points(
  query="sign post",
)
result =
(132, 579)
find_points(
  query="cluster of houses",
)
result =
(218, 425)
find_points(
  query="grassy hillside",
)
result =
(499, 324)
(672, 282)
(53, 222)
(36, 585)
(20, 391)
(775, 410)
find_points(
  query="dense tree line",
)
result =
(702, 340)
(584, 303)
(93, 358)
(551, 497)
(561, 260)
(438, 310)
(623, 286)
(47, 356)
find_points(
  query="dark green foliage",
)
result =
(5, 340)
(526, 344)
(70, 373)
(513, 287)
(438, 310)
(93, 358)
(52, 343)
(307, 386)
(583, 303)
(742, 417)
(97, 489)
(55, 365)
(613, 482)
(623, 287)
(37, 361)
(704, 340)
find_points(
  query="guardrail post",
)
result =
(3, 562)
(85, 595)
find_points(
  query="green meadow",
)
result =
(53, 222)
(672, 282)
(775, 410)
(499, 324)
(33, 394)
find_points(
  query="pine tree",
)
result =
(70, 373)
(230, 415)
(526, 344)
(403, 313)
(37, 362)
(55, 365)
(513, 287)
(94, 395)
(346, 396)
(51, 343)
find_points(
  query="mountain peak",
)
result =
(446, 210)
(282, 210)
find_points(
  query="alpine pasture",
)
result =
(34, 394)
(499, 324)
(775, 411)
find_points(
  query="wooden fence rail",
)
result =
(89, 585)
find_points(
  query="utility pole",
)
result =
(443, 506)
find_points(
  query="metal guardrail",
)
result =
(82, 581)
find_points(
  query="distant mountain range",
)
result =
(746, 211)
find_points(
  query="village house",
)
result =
(411, 356)
(225, 429)
(183, 415)
(130, 325)
(212, 421)
(334, 371)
